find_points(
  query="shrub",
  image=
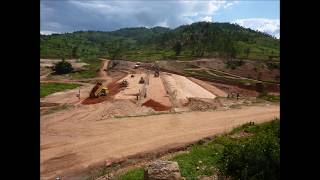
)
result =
(273, 65)
(233, 64)
(63, 67)
(269, 97)
(257, 158)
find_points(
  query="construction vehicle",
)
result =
(99, 90)
(124, 83)
(141, 80)
(137, 65)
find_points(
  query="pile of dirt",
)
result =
(122, 108)
(113, 88)
(156, 105)
(199, 104)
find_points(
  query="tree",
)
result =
(63, 67)
(247, 51)
(177, 48)
(74, 52)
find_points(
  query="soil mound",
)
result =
(113, 88)
(156, 105)
(199, 104)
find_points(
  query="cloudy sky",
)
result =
(106, 15)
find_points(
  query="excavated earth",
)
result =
(117, 126)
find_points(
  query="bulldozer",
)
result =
(99, 90)
(124, 83)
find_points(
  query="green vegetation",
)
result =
(49, 88)
(255, 155)
(135, 174)
(201, 39)
(250, 157)
(233, 64)
(92, 68)
(270, 97)
(63, 67)
(273, 65)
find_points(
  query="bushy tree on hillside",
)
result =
(63, 67)
(197, 40)
(177, 48)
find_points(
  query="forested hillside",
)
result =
(193, 41)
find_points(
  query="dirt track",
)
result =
(73, 140)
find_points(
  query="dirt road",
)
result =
(73, 141)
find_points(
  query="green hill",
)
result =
(201, 39)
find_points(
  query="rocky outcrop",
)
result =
(163, 170)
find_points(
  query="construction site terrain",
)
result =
(81, 130)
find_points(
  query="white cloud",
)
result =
(207, 19)
(269, 26)
(73, 15)
(47, 32)
(162, 24)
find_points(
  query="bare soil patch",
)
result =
(156, 105)
(182, 88)
(48, 63)
(133, 88)
(235, 89)
(92, 142)
(213, 89)
(200, 104)
(156, 91)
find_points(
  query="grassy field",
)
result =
(49, 88)
(92, 68)
(260, 144)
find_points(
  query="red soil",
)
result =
(113, 88)
(156, 105)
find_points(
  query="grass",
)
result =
(207, 156)
(270, 97)
(49, 88)
(92, 68)
(257, 52)
(134, 174)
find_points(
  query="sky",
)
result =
(59, 16)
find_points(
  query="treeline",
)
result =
(200, 39)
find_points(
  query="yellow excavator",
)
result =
(99, 90)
